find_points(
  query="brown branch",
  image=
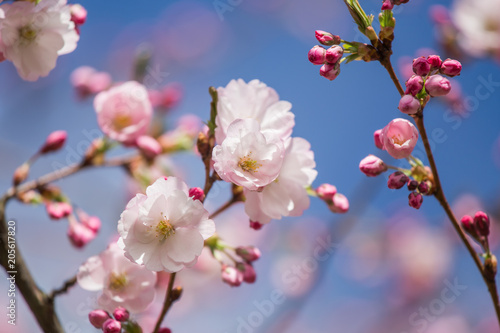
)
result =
(170, 297)
(63, 289)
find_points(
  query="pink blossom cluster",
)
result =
(34, 34)
(255, 150)
(113, 323)
(240, 271)
(427, 82)
(328, 58)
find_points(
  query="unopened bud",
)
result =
(339, 204)
(409, 104)
(414, 85)
(231, 275)
(425, 187)
(412, 185)
(377, 138)
(434, 61)
(176, 293)
(58, 210)
(482, 222)
(255, 225)
(397, 180)
(149, 146)
(334, 53)
(248, 253)
(98, 317)
(490, 267)
(203, 145)
(317, 55)
(78, 14)
(437, 85)
(196, 193)
(249, 274)
(54, 142)
(372, 166)
(421, 66)
(415, 200)
(21, 174)
(451, 67)
(330, 71)
(121, 314)
(326, 191)
(327, 38)
(469, 226)
(111, 326)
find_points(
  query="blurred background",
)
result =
(383, 267)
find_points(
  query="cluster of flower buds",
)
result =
(427, 82)
(337, 202)
(328, 58)
(478, 227)
(120, 319)
(82, 230)
(417, 188)
(242, 271)
(389, 4)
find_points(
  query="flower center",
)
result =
(398, 140)
(121, 121)
(27, 33)
(117, 281)
(247, 164)
(491, 25)
(164, 229)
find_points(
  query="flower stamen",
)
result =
(117, 281)
(247, 164)
(164, 229)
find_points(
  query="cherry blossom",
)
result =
(165, 229)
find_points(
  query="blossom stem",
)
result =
(439, 195)
(63, 289)
(41, 304)
(169, 300)
(225, 206)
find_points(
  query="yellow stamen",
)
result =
(398, 140)
(28, 33)
(121, 121)
(117, 281)
(164, 229)
(247, 164)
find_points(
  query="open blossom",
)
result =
(478, 25)
(241, 100)
(165, 229)
(34, 35)
(287, 195)
(123, 283)
(400, 137)
(124, 112)
(248, 158)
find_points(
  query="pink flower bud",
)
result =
(149, 146)
(78, 14)
(482, 222)
(98, 317)
(397, 180)
(437, 85)
(249, 274)
(255, 225)
(387, 5)
(58, 210)
(317, 55)
(111, 326)
(79, 235)
(469, 226)
(334, 53)
(330, 71)
(409, 104)
(415, 200)
(326, 191)
(414, 85)
(248, 253)
(424, 187)
(21, 174)
(412, 185)
(121, 314)
(377, 137)
(327, 38)
(451, 67)
(54, 142)
(421, 66)
(164, 330)
(400, 137)
(372, 166)
(339, 204)
(92, 222)
(434, 61)
(99, 81)
(171, 95)
(196, 193)
(231, 276)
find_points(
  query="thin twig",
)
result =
(63, 289)
(169, 300)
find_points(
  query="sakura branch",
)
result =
(400, 136)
